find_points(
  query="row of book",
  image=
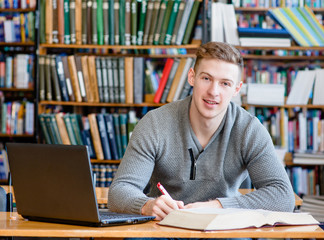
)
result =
(106, 135)
(280, 3)
(17, 27)
(17, 71)
(300, 131)
(114, 80)
(104, 174)
(118, 22)
(255, 20)
(307, 180)
(17, 4)
(16, 117)
(4, 168)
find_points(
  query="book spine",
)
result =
(72, 22)
(100, 23)
(67, 36)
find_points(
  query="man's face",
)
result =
(215, 83)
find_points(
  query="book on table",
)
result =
(233, 218)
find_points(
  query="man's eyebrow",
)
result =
(224, 79)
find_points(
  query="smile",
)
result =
(210, 102)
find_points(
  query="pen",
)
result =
(193, 165)
(162, 189)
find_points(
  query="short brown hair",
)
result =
(219, 51)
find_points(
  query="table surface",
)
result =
(12, 224)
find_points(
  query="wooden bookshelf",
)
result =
(274, 57)
(245, 105)
(88, 104)
(264, 9)
(17, 89)
(20, 10)
(17, 44)
(16, 135)
(105, 161)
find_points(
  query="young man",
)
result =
(226, 142)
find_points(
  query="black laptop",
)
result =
(54, 183)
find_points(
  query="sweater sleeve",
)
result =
(135, 170)
(273, 188)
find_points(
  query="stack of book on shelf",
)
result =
(110, 22)
(104, 174)
(17, 27)
(106, 135)
(5, 4)
(308, 158)
(314, 205)
(318, 98)
(266, 94)
(223, 23)
(302, 25)
(261, 37)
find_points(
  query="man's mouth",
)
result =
(211, 102)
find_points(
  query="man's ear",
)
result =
(191, 77)
(238, 88)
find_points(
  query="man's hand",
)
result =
(161, 206)
(209, 204)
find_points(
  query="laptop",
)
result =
(54, 183)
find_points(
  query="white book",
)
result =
(9, 31)
(265, 42)
(266, 94)
(233, 218)
(302, 131)
(217, 25)
(22, 73)
(230, 25)
(318, 97)
(302, 88)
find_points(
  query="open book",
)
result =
(230, 218)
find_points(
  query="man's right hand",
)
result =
(161, 206)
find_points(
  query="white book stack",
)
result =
(266, 94)
(318, 98)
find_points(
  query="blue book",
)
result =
(103, 136)
(86, 138)
(117, 134)
(262, 32)
(123, 131)
(111, 136)
(61, 77)
(47, 137)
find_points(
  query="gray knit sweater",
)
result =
(158, 152)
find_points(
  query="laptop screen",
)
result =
(53, 181)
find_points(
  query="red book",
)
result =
(163, 80)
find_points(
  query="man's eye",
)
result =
(206, 78)
(226, 84)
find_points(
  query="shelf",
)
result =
(118, 47)
(87, 104)
(299, 48)
(105, 161)
(141, 55)
(17, 89)
(16, 135)
(245, 105)
(3, 10)
(272, 57)
(17, 44)
(264, 9)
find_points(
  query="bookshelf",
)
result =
(305, 178)
(18, 58)
(101, 52)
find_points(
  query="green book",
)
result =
(100, 27)
(105, 9)
(111, 23)
(128, 22)
(43, 127)
(155, 15)
(122, 22)
(48, 82)
(76, 127)
(72, 22)
(141, 23)
(191, 22)
(160, 18)
(166, 20)
(178, 21)
(116, 22)
(123, 131)
(69, 129)
(41, 64)
(133, 21)
(67, 36)
(42, 22)
(55, 129)
(173, 16)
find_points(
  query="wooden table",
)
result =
(11, 224)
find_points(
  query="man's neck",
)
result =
(204, 128)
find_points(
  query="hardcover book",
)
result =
(207, 219)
